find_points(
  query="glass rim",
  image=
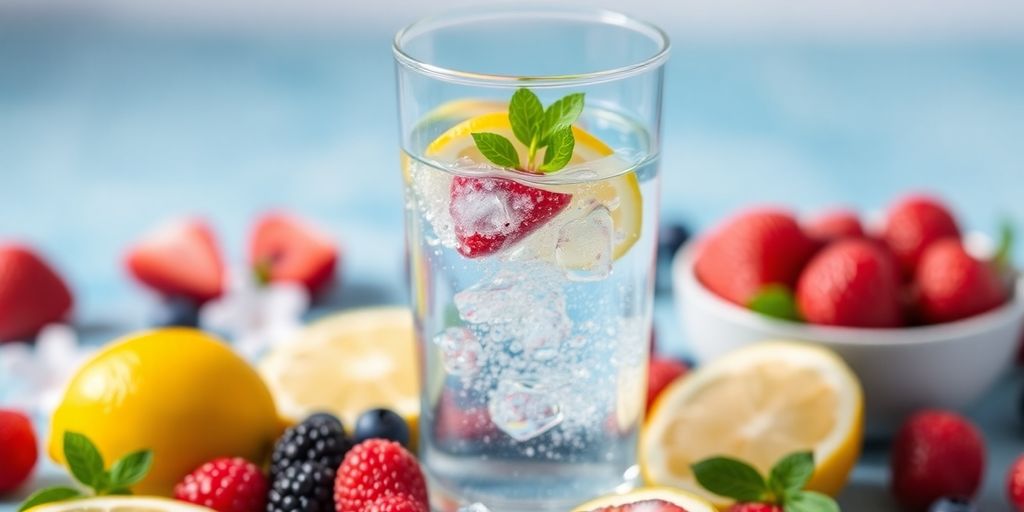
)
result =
(595, 15)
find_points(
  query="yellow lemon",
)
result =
(179, 392)
(682, 499)
(348, 363)
(757, 404)
(120, 504)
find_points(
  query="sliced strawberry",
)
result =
(292, 250)
(179, 259)
(493, 213)
(32, 294)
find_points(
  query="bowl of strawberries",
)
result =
(926, 315)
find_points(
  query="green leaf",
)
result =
(497, 149)
(131, 468)
(790, 474)
(119, 491)
(561, 114)
(776, 300)
(84, 460)
(1005, 249)
(731, 478)
(526, 114)
(49, 495)
(809, 501)
(559, 150)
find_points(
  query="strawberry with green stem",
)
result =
(782, 491)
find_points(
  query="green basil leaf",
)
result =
(731, 478)
(561, 114)
(559, 151)
(777, 301)
(497, 149)
(84, 460)
(49, 495)
(809, 501)
(131, 468)
(790, 474)
(526, 114)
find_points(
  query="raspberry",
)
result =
(396, 503)
(225, 485)
(320, 438)
(376, 469)
(304, 487)
(17, 450)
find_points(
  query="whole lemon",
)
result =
(179, 392)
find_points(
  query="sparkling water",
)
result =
(534, 355)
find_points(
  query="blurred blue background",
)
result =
(115, 115)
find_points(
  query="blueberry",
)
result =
(953, 504)
(381, 424)
(671, 236)
(176, 312)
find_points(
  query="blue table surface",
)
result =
(106, 129)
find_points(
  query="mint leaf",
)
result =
(497, 149)
(525, 113)
(731, 478)
(561, 114)
(119, 491)
(809, 501)
(1005, 248)
(790, 474)
(84, 460)
(777, 301)
(49, 495)
(130, 469)
(559, 151)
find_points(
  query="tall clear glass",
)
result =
(532, 286)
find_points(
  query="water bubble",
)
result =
(461, 352)
(584, 247)
(524, 409)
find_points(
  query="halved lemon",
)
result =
(120, 504)
(346, 364)
(757, 404)
(647, 499)
(620, 195)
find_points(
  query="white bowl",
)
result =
(902, 370)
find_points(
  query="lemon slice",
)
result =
(757, 404)
(619, 195)
(346, 364)
(639, 499)
(120, 504)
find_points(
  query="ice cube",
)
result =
(484, 209)
(524, 409)
(461, 352)
(584, 247)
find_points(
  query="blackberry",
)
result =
(303, 487)
(320, 438)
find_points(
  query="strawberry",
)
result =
(179, 259)
(493, 213)
(396, 503)
(835, 225)
(225, 485)
(751, 251)
(915, 223)
(289, 249)
(1015, 484)
(755, 507)
(643, 506)
(32, 294)
(936, 454)
(18, 450)
(660, 373)
(951, 284)
(851, 283)
(376, 469)
(455, 423)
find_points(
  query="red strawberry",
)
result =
(375, 469)
(951, 284)
(453, 423)
(643, 506)
(32, 294)
(493, 213)
(915, 223)
(1015, 484)
(755, 507)
(851, 283)
(835, 225)
(395, 503)
(660, 373)
(936, 454)
(225, 485)
(18, 450)
(289, 249)
(180, 258)
(751, 251)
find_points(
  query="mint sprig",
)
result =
(733, 478)
(86, 466)
(536, 129)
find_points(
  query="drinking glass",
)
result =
(532, 287)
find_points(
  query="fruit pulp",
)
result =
(533, 354)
